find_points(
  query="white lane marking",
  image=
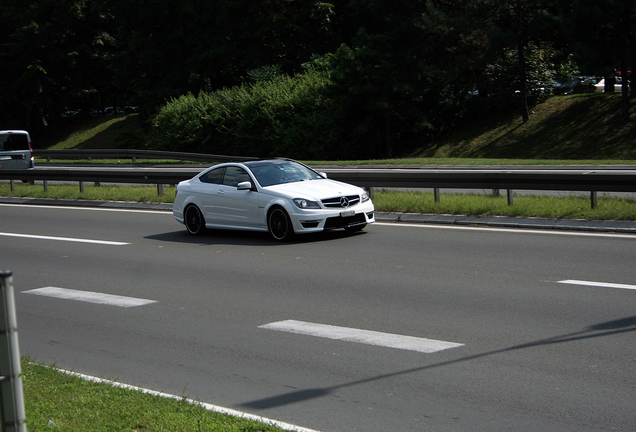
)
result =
(90, 297)
(514, 230)
(207, 406)
(111, 209)
(362, 336)
(68, 239)
(598, 284)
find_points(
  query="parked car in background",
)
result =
(16, 151)
(578, 84)
(280, 196)
(618, 87)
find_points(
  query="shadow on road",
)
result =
(609, 328)
(248, 238)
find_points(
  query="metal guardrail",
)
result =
(134, 155)
(523, 179)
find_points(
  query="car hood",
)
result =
(316, 189)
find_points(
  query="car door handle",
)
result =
(220, 192)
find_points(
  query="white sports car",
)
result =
(281, 196)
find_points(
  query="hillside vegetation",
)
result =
(578, 127)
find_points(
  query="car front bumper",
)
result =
(307, 221)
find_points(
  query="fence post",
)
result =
(371, 192)
(11, 395)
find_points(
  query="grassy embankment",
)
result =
(55, 401)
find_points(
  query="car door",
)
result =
(238, 208)
(206, 190)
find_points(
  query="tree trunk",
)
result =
(522, 63)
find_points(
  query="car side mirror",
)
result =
(323, 174)
(244, 185)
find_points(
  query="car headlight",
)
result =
(364, 197)
(303, 203)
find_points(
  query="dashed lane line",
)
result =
(90, 297)
(67, 239)
(368, 337)
(598, 284)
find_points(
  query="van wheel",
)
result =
(194, 221)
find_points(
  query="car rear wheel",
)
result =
(280, 226)
(194, 221)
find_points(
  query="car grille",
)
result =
(351, 200)
(344, 222)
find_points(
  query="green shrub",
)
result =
(281, 116)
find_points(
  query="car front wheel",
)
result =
(280, 226)
(194, 221)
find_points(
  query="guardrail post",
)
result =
(46, 185)
(511, 197)
(11, 394)
(436, 194)
(495, 193)
(159, 189)
(594, 197)
(12, 185)
(81, 186)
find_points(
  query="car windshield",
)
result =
(270, 173)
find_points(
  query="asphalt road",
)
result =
(526, 350)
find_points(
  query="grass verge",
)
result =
(55, 401)
(144, 194)
(558, 207)
(555, 207)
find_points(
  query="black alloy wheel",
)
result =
(280, 226)
(194, 221)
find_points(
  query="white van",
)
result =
(16, 151)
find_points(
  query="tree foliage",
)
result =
(393, 74)
(283, 115)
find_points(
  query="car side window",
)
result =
(213, 176)
(235, 175)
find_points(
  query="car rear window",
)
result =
(14, 141)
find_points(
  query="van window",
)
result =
(14, 141)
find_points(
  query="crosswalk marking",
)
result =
(368, 337)
(90, 297)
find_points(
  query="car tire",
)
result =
(279, 224)
(194, 221)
